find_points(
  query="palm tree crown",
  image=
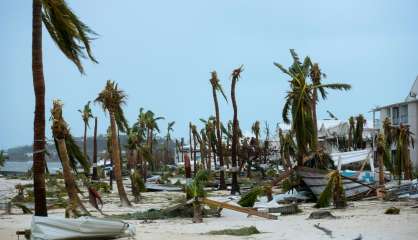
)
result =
(70, 34)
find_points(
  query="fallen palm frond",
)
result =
(248, 199)
(25, 209)
(244, 231)
(334, 190)
(185, 211)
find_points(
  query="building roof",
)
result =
(394, 105)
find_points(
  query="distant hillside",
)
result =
(24, 153)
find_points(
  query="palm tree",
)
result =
(351, 133)
(287, 148)
(403, 139)
(316, 75)
(72, 36)
(299, 103)
(63, 138)
(235, 132)
(168, 139)
(216, 86)
(381, 149)
(151, 124)
(3, 158)
(86, 115)
(255, 129)
(112, 99)
(358, 133)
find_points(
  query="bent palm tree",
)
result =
(86, 116)
(66, 154)
(216, 86)
(235, 132)
(111, 98)
(72, 37)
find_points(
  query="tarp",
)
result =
(55, 228)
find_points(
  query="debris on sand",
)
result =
(392, 211)
(321, 215)
(326, 231)
(245, 231)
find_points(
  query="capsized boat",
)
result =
(317, 180)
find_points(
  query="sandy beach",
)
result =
(365, 218)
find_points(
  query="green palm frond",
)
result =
(71, 35)
(334, 190)
(76, 155)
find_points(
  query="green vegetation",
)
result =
(244, 231)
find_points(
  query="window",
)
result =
(404, 114)
(395, 115)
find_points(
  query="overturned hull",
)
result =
(317, 180)
(54, 228)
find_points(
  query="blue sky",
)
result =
(162, 52)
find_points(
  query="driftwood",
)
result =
(326, 231)
(238, 209)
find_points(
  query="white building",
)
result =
(406, 113)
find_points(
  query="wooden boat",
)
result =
(317, 180)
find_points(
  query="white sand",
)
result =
(362, 217)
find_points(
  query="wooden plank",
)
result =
(238, 209)
(282, 177)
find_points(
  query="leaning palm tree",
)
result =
(299, 103)
(73, 37)
(67, 152)
(86, 115)
(235, 132)
(112, 98)
(216, 86)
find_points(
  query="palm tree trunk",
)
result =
(95, 175)
(190, 144)
(117, 163)
(222, 185)
(209, 158)
(315, 121)
(194, 156)
(39, 120)
(234, 147)
(70, 185)
(381, 173)
(85, 141)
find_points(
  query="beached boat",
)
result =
(317, 180)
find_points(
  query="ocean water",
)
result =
(13, 166)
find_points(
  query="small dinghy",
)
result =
(55, 228)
